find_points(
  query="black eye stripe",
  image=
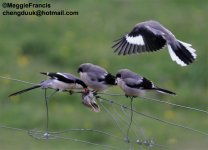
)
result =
(118, 75)
(80, 70)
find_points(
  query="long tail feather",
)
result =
(182, 53)
(25, 90)
(165, 91)
(44, 73)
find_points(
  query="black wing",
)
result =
(108, 79)
(140, 39)
(144, 84)
(59, 77)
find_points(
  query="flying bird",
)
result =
(59, 82)
(135, 85)
(151, 36)
(96, 77)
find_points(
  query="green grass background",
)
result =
(30, 44)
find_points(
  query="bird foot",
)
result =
(71, 92)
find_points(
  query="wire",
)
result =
(160, 101)
(158, 119)
(131, 119)
(13, 79)
(39, 135)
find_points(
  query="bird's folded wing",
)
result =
(60, 77)
(139, 84)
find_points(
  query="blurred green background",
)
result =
(30, 44)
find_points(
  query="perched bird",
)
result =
(95, 77)
(151, 36)
(88, 99)
(134, 85)
(59, 82)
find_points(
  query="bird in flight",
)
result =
(151, 36)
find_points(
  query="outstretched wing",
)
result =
(142, 38)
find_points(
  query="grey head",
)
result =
(126, 73)
(88, 67)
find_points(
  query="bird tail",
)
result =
(110, 79)
(165, 91)
(182, 53)
(44, 73)
(25, 90)
(92, 105)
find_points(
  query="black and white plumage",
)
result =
(135, 85)
(95, 77)
(151, 36)
(57, 81)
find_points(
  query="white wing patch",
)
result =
(137, 40)
(174, 57)
(184, 43)
(62, 75)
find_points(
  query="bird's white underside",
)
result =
(137, 40)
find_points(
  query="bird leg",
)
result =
(71, 92)
(131, 119)
(46, 103)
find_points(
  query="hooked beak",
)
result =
(79, 70)
(117, 80)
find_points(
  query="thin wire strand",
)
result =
(18, 80)
(160, 101)
(54, 136)
(125, 122)
(59, 137)
(115, 121)
(121, 117)
(46, 104)
(173, 104)
(86, 142)
(131, 118)
(134, 122)
(89, 130)
(13, 128)
(158, 119)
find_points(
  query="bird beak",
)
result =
(117, 80)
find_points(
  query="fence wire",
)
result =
(132, 134)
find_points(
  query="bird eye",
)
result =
(118, 75)
(79, 70)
